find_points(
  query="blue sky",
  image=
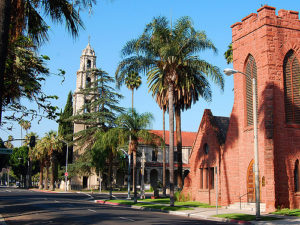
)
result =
(115, 22)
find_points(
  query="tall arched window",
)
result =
(296, 176)
(291, 73)
(251, 72)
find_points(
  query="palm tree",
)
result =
(134, 125)
(228, 54)
(133, 81)
(53, 145)
(41, 154)
(169, 52)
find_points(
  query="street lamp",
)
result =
(229, 72)
(143, 160)
(128, 182)
(66, 173)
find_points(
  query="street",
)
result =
(20, 206)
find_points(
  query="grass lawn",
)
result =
(185, 204)
(245, 217)
(149, 205)
(288, 212)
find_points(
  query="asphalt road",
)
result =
(19, 206)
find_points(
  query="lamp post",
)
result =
(128, 181)
(229, 72)
(143, 160)
(66, 173)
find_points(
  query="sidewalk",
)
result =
(208, 214)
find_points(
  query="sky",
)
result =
(114, 22)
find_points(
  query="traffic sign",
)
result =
(6, 151)
(66, 174)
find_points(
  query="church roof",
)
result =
(88, 50)
(188, 138)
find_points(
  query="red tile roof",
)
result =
(187, 137)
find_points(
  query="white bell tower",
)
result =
(87, 62)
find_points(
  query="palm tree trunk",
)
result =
(52, 172)
(164, 156)
(41, 174)
(46, 177)
(4, 28)
(179, 146)
(171, 143)
(134, 176)
(132, 99)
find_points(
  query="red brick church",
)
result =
(266, 46)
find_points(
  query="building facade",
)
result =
(154, 155)
(266, 47)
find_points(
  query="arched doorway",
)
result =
(251, 183)
(153, 178)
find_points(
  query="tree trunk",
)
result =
(41, 175)
(100, 182)
(171, 144)
(132, 100)
(179, 147)
(109, 175)
(4, 28)
(52, 178)
(46, 177)
(164, 156)
(134, 176)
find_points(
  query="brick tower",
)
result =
(265, 46)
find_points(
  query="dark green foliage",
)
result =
(4, 159)
(65, 126)
(100, 111)
(24, 73)
(228, 54)
(65, 130)
(19, 161)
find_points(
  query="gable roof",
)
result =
(187, 137)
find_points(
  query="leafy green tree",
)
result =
(105, 152)
(19, 162)
(21, 18)
(66, 130)
(228, 54)
(172, 53)
(29, 69)
(133, 81)
(134, 125)
(4, 159)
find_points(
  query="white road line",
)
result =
(92, 210)
(124, 218)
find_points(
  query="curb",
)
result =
(178, 213)
(45, 191)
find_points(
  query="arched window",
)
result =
(88, 82)
(291, 73)
(296, 176)
(251, 72)
(206, 148)
(88, 64)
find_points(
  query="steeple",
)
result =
(87, 58)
